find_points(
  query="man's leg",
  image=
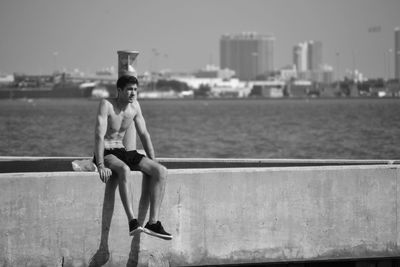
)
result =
(123, 171)
(144, 201)
(158, 179)
(102, 255)
(143, 207)
(108, 210)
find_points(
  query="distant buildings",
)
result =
(307, 57)
(248, 54)
(6, 78)
(287, 73)
(397, 53)
(326, 74)
(211, 71)
(220, 82)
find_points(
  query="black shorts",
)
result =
(131, 158)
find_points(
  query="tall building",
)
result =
(248, 54)
(300, 58)
(397, 53)
(314, 55)
(307, 57)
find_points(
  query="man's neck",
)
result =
(121, 104)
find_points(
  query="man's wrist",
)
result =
(152, 155)
(100, 164)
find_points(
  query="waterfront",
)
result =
(286, 128)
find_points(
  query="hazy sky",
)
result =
(87, 33)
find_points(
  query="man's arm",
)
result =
(144, 135)
(100, 132)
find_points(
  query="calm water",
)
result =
(317, 128)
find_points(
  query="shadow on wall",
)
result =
(102, 255)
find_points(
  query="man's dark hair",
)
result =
(126, 79)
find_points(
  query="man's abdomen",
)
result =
(113, 143)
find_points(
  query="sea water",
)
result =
(236, 128)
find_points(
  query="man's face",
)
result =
(129, 92)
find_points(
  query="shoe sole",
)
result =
(136, 231)
(149, 232)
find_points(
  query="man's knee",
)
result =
(160, 172)
(123, 171)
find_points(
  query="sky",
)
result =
(39, 36)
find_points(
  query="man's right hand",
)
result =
(105, 174)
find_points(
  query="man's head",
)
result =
(127, 86)
(125, 79)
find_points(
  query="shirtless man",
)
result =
(118, 119)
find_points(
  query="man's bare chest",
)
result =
(119, 122)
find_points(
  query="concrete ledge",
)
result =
(217, 216)
(63, 164)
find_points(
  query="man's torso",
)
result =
(121, 130)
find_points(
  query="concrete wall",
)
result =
(217, 216)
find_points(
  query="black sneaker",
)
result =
(99, 258)
(157, 230)
(134, 227)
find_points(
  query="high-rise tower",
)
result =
(314, 55)
(248, 54)
(300, 58)
(307, 57)
(397, 53)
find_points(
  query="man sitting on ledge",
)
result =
(118, 119)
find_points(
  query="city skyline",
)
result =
(40, 36)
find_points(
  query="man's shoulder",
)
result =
(135, 108)
(107, 101)
(135, 104)
(105, 105)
